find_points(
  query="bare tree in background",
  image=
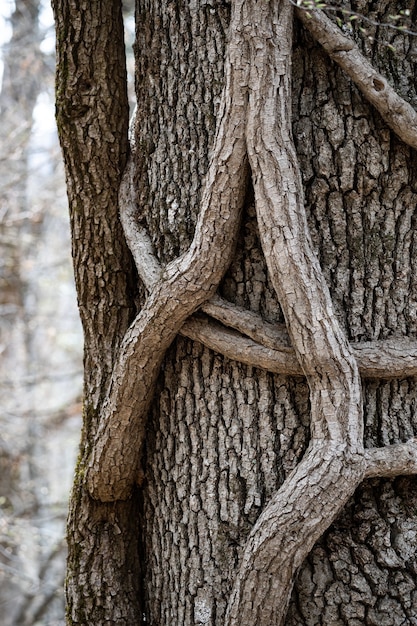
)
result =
(248, 444)
(39, 336)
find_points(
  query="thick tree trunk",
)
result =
(223, 436)
(244, 469)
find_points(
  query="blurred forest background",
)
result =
(40, 332)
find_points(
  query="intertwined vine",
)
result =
(254, 139)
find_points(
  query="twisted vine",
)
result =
(254, 130)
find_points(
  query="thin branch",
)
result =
(274, 336)
(352, 15)
(396, 112)
(376, 359)
(238, 347)
(399, 459)
(137, 238)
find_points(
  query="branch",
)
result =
(388, 358)
(396, 112)
(184, 285)
(332, 467)
(377, 359)
(257, 342)
(314, 4)
(274, 336)
(399, 459)
(237, 347)
(137, 238)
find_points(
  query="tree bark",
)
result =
(92, 116)
(243, 469)
(188, 517)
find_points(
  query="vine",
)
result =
(254, 130)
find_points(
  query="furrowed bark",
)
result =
(185, 284)
(103, 537)
(333, 465)
(92, 117)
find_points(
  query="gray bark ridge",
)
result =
(255, 126)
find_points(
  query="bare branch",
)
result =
(377, 359)
(396, 112)
(137, 238)
(350, 15)
(236, 346)
(399, 459)
(388, 358)
(274, 336)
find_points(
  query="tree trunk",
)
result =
(244, 469)
(92, 116)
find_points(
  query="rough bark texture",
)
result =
(215, 452)
(185, 283)
(360, 183)
(92, 115)
(244, 469)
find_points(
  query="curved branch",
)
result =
(185, 284)
(137, 238)
(333, 465)
(236, 346)
(377, 359)
(258, 343)
(396, 112)
(273, 336)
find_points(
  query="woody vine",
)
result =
(254, 141)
